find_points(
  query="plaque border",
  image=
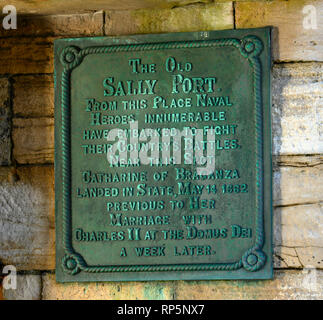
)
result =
(250, 47)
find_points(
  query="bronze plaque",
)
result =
(163, 157)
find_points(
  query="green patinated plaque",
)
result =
(163, 157)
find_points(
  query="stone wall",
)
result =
(27, 223)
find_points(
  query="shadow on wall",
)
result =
(29, 48)
(276, 111)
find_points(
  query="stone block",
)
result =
(5, 122)
(285, 257)
(156, 290)
(299, 226)
(33, 140)
(26, 55)
(199, 17)
(297, 113)
(54, 6)
(27, 222)
(85, 24)
(33, 96)
(297, 185)
(298, 236)
(297, 33)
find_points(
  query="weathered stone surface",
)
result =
(286, 285)
(215, 16)
(295, 35)
(52, 6)
(298, 161)
(159, 290)
(27, 217)
(86, 24)
(297, 185)
(285, 257)
(300, 227)
(297, 121)
(298, 236)
(33, 140)
(4, 174)
(28, 288)
(26, 55)
(33, 96)
(8, 174)
(5, 126)
(311, 256)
